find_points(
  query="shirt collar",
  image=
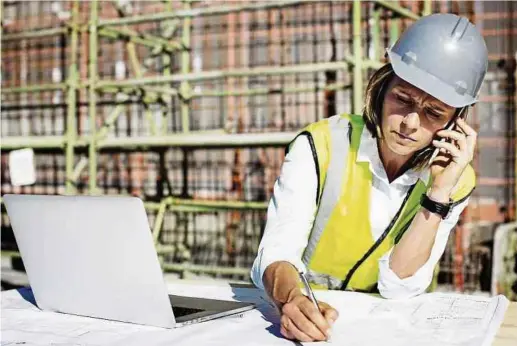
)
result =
(368, 152)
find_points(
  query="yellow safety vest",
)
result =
(341, 252)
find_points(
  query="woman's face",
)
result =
(411, 117)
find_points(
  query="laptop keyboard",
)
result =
(180, 311)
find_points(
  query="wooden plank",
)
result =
(507, 333)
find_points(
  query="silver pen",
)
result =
(312, 298)
(309, 291)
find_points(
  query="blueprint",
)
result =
(430, 319)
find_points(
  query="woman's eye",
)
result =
(433, 114)
(404, 100)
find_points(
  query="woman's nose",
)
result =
(412, 120)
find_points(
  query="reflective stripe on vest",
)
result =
(338, 135)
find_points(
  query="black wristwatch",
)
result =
(442, 209)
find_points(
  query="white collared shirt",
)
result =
(292, 210)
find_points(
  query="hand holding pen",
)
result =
(305, 319)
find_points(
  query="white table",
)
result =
(22, 322)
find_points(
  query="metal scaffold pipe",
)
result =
(171, 203)
(395, 7)
(357, 69)
(143, 39)
(35, 88)
(242, 72)
(185, 69)
(92, 96)
(73, 82)
(201, 139)
(189, 13)
(193, 140)
(24, 35)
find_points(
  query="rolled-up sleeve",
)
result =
(393, 287)
(290, 212)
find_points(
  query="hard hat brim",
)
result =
(429, 83)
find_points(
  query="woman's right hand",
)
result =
(300, 320)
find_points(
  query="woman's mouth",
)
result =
(404, 137)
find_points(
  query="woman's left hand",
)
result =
(454, 155)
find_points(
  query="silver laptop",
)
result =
(95, 256)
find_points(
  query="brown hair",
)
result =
(372, 113)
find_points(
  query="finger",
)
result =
(284, 327)
(293, 331)
(451, 148)
(442, 155)
(466, 128)
(441, 162)
(286, 334)
(318, 326)
(330, 314)
(459, 137)
(300, 320)
(470, 133)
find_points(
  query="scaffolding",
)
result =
(188, 105)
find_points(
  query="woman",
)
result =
(367, 202)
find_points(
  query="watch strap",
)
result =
(442, 209)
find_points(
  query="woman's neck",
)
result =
(394, 164)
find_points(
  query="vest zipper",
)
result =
(377, 243)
